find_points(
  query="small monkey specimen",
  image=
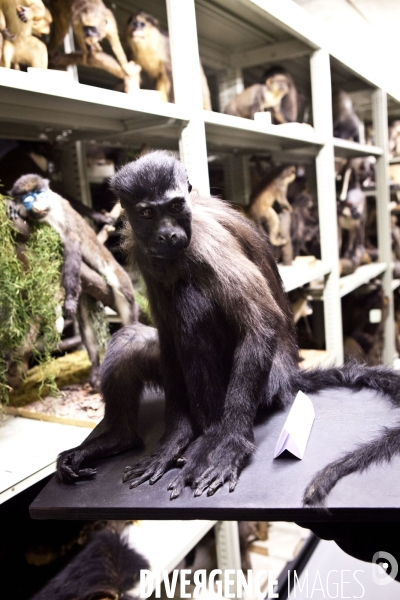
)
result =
(278, 95)
(272, 188)
(346, 124)
(223, 347)
(93, 22)
(20, 45)
(150, 48)
(35, 201)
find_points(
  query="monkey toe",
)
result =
(149, 469)
(214, 478)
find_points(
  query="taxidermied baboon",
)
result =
(36, 202)
(93, 22)
(151, 50)
(346, 124)
(204, 264)
(21, 46)
(278, 95)
(272, 188)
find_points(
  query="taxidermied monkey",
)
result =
(271, 189)
(278, 96)
(151, 50)
(37, 202)
(304, 225)
(346, 124)
(204, 264)
(105, 569)
(92, 22)
(22, 46)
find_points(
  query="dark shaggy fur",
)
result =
(104, 570)
(224, 346)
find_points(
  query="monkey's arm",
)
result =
(220, 453)
(71, 275)
(115, 43)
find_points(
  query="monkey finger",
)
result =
(87, 472)
(213, 487)
(139, 480)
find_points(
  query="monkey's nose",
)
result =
(166, 238)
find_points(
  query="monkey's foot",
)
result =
(209, 465)
(153, 467)
(69, 466)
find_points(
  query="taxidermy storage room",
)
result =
(199, 299)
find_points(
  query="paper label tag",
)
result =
(296, 430)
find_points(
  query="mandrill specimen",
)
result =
(224, 345)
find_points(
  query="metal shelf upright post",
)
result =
(322, 114)
(380, 123)
(187, 90)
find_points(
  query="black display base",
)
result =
(268, 489)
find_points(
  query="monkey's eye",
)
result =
(147, 213)
(176, 206)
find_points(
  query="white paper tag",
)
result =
(296, 430)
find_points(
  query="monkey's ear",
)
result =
(189, 187)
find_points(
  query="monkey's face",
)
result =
(162, 225)
(289, 174)
(34, 205)
(141, 27)
(94, 25)
(278, 85)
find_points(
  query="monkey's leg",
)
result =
(8, 54)
(131, 361)
(274, 227)
(61, 12)
(38, 53)
(163, 85)
(71, 277)
(116, 46)
(89, 340)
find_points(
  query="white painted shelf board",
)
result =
(395, 284)
(294, 276)
(348, 149)
(80, 107)
(229, 132)
(166, 543)
(394, 161)
(362, 275)
(28, 451)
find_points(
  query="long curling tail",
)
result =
(354, 376)
(379, 450)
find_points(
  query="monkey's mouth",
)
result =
(138, 35)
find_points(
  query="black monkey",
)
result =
(104, 570)
(224, 345)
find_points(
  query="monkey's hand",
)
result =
(24, 14)
(69, 466)
(209, 462)
(153, 467)
(7, 35)
(70, 307)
